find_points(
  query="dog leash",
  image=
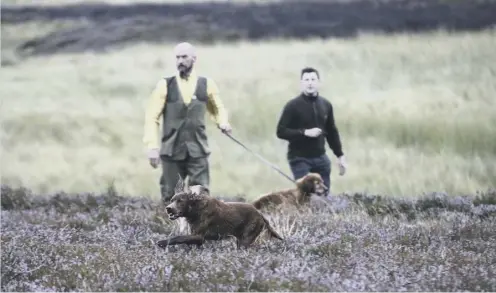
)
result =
(260, 157)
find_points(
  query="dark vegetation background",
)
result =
(101, 26)
(361, 242)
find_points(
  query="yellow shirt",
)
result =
(156, 104)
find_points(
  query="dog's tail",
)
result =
(272, 232)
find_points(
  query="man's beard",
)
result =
(184, 71)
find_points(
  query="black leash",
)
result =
(260, 157)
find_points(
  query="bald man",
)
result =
(181, 101)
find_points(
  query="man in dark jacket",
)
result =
(307, 122)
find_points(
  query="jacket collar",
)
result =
(310, 98)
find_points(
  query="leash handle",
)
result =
(260, 157)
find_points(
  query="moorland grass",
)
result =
(415, 113)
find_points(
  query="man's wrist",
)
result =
(150, 147)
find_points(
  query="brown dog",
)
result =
(212, 219)
(309, 184)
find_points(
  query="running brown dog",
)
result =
(309, 184)
(212, 219)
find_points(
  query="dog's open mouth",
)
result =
(320, 193)
(323, 191)
(173, 216)
(172, 213)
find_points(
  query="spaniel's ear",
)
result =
(305, 184)
(179, 185)
(299, 182)
(199, 190)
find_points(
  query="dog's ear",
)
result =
(305, 184)
(199, 190)
(179, 185)
(299, 182)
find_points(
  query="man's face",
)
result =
(309, 83)
(184, 59)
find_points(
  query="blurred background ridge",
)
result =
(99, 26)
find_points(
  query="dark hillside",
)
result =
(108, 25)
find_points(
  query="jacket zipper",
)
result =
(315, 113)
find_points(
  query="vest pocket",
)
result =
(200, 130)
(169, 134)
(201, 136)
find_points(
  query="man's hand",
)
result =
(313, 132)
(226, 128)
(154, 157)
(342, 165)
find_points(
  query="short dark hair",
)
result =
(308, 70)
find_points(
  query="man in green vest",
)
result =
(182, 101)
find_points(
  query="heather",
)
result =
(358, 242)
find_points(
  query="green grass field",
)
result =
(415, 113)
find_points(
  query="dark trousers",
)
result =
(197, 170)
(301, 166)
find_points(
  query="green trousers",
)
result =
(196, 169)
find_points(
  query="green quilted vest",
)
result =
(183, 128)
